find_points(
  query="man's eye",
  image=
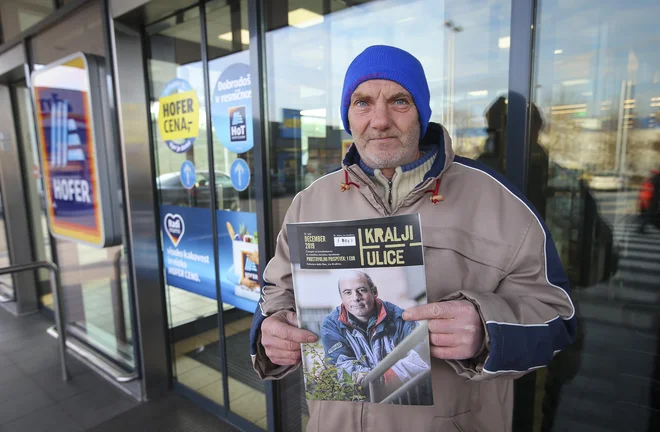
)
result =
(360, 103)
(401, 102)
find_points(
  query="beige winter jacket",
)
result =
(484, 243)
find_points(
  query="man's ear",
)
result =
(375, 291)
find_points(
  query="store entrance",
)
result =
(17, 293)
(202, 138)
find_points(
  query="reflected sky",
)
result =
(584, 50)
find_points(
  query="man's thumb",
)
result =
(291, 318)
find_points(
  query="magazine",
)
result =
(352, 281)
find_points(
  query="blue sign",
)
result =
(80, 202)
(188, 254)
(188, 249)
(238, 259)
(240, 175)
(290, 127)
(188, 174)
(231, 108)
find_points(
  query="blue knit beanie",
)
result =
(393, 64)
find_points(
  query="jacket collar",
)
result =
(380, 309)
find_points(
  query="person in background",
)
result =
(649, 201)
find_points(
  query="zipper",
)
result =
(389, 199)
(373, 192)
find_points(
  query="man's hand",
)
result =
(455, 328)
(358, 377)
(281, 337)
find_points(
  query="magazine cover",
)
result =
(352, 281)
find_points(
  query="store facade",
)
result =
(562, 97)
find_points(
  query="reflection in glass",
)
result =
(94, 281)
(184, 184)
(597, 87)
(463, 46)
(34, 187)
(6, 283)
(230, 84)
(308, 58)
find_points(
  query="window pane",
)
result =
(463, 46)
(94, 281)
(28, 144)
(6, 283)
(597, 98)
(238, 240)
(178, 113)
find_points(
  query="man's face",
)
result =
(385, 124)
(356, 296)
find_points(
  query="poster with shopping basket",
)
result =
(353, 280)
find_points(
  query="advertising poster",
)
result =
(352, 282)
(78, 195)
(238, 252)
(188, 249)
(188, 254)
(178, 115)
(231, 104)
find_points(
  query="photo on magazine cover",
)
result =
(352, 282)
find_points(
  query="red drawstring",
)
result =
(436, 198)
(347, 185)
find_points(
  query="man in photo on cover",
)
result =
(364, 329)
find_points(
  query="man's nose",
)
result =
(381, 119)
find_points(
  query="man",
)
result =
(364, 329)
(498, 295)
(649, 202)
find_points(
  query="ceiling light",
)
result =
(245, 37)
(504, 42)
(302, 18)
(559, 51)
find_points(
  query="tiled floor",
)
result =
(243, 400)
(184, 306)
(33, 398)
(32, 395)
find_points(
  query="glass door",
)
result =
(36, 201)
(176, 81)
(96, 292)
(201, 112)
(597, 88)
(6, 283)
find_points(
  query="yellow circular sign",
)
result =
(178, 115)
